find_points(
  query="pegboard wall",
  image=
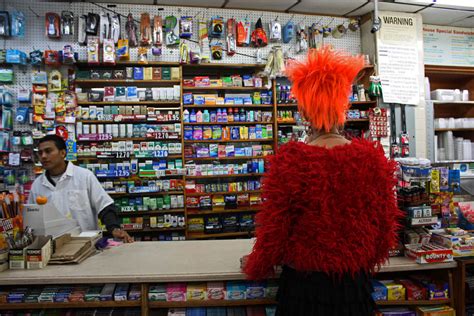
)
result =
(35, 38)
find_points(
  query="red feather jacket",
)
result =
(329, 210)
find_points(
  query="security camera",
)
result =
(376, 25)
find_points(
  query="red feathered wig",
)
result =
(322, 84)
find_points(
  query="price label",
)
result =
(122, 154)
(127, 209)
(159, 153)
(122, 173)
(104, 136)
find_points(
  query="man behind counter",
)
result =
(75, 191)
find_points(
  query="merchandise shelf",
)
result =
(363, 102)
(452, 102)
(122, 82)
(152, 212)
(151, 229)
(222, 193)
(131, 156)
(460, 129)
(191, 106)
(238, 175)
(229, 123)
(452, 161)
(418, 303)
(117, 139)
(223, 65)
(145, 193)
(192, 235)
(248, 209)
(107, 304)
(286, 105)
(128, 103)
(362, 120)
(225, 158)
(83, 63)
(267, 140)
(225, 88)
(209, 303)
(129, 122)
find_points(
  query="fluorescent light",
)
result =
(454, 4)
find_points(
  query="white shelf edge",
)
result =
(450, 102)
(454, 161)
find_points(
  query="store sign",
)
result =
(398, 48)
(448, 46)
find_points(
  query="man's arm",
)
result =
(108, 217)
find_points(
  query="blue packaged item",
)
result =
(138, 73)
(196, 311)
(18, 22)
(288, 32)
(380, 291)
(247, 100)
(199, 100)
(235, 133)
(455, 180)
(188, 98)
(132, 93)
(14, 56)
(236, 290)
(255, 290)
(238, 101)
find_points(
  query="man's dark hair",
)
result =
(57, 140)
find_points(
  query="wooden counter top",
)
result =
(148, 262)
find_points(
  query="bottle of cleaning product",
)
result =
(230, 116)
(242, 115)
(205, 116)
(199, 117)
(219, 116)
(236, 115)
(213, 117)
(186, 116)
(192, 117)
(224, 116)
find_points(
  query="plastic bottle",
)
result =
(205, 116)
(236, 115)
(219, 115)
(199, 117)
(186, 116)
(242, 115)
(224, 116)
(213, 116)
(192, 117)
(230, 116)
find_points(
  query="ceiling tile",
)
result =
(274, 5)
(384, 6)
(443, 16)
(468, 22)
(331, 7)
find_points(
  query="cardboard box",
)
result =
(196, 291)
(17, 259)
(435, 311)
(39, 252)
(457, 243)
(395, 292)
(435, 254)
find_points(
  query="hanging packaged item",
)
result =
(14, 56)
(104, 27)
(54, 81)
(52, 25)
(157, 31)
(216, 50)
(21, 115)
(288, 32)
(51, 58)
(259, 37)
(183, 53)
(36, 57)
(275, 31)
(93, 50)
(115, 28)
(217, 27)
(7, 119)
(231, 37)
(131, 29)
(313, 36)
(243, 33)
(68, 55)
(301, 39)
(5, 24)
(92, 23)
(39, 77)
(171, 26)
(6, 75)
(81, 30)
(145, 30)
(24, 95)
(204, 42)
(109, 52)
(143, 55)
(186, 27)
(123, 49)
(67, 23)
(18, 24)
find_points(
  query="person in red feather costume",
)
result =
(329, 214)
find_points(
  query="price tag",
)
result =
(122, 173)
(122, 154)
(104, 136)
(159, 153)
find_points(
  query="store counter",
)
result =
(176, 261)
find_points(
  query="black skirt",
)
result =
(318, 294)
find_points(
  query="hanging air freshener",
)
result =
(67, 23)
(204, 42)
(109, 52)
(5, 23)
(217, 27)
(18, 24)
(92, 23)
(288, 32)
(231, 37)
(81, 30)
(36, 58)
(51, 58)
(183, 53)
(171, 26)
(259, 37)
(158, 31)
(68, 55)
(123, 49)
(52, 25)
(54, 81)
(145, 30)
(115, 28)
(131, 28)
(186, 27)
(216, 50)
(104, 27)
(275, 31)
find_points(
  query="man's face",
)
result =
(50, 156)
